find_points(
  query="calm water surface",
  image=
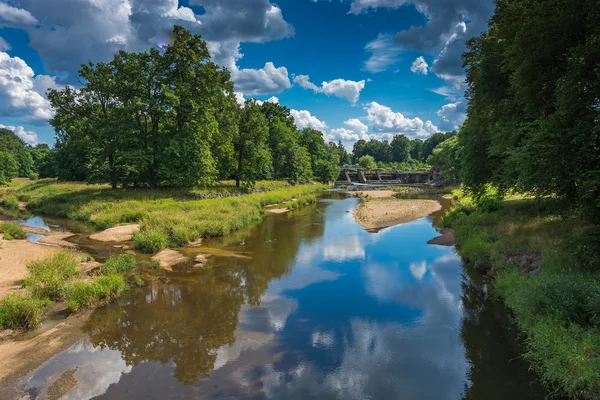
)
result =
(305, 306)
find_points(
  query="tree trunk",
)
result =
(113, 173)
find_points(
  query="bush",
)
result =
(85, 294)
(150, 241)
(9, 202)
(586, 248)
(20, 312)
(33, 176)
(476, 252)
(116, 265)
(12, 231)
(50, 276)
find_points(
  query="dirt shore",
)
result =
(379, 210)
(14, 257)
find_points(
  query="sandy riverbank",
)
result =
(380, 210)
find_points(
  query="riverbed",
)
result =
(305, 305)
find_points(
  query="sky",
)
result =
(354, 69)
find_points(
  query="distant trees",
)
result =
(169, 117)
(534, 106)
(367, 162)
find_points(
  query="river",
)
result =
(307, 306)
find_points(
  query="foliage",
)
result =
(86, 294)
(446, 158)
(367, 162)
(252, 151)
(150, 241)
(117, 265)
(544, 277)
(300, 170)
(530, 127)
(20, 312)
(9, 168)
(11, 144)
(49, 277)
(44, 160)
(12, 231)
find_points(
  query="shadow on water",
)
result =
(315, 308)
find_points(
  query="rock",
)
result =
(529, 262)
(169, 258)
(117, 234)
(446, 238)
(90, 268)
(200, 260)
(278, 210)
(57, 239)
(195, 243)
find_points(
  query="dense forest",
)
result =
(169, 117)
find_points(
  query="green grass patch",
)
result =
(9, 201)
(150, 241)
(50, 277)
(117, 265)
(12, 231)
(546, 267)
(86, 294)
(20, 312)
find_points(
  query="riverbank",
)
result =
(380, 209)
(167, 218)
(543, 262)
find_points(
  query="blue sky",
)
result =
(356, 69)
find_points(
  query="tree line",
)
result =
(169, 117)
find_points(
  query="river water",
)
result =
(304, 306)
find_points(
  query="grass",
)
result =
(86, 294)
(12, 231)
(118, 265)
(546, 267)
(20, 312)
(50, 277)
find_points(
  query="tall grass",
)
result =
(86, 294)
(12, 231)
(50, 277)
(20, 312)
(546, 269)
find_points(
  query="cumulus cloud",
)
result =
(22, 94)
(383, 119)
(449, 23)
(344, 89)
(419, 66)
(28, 137)
(304, 119)
(356, 130)
(266, 80)
(384, 53)
(4, 46)
(271, 99)
(15, 15)
(69, 33)
(453, 114)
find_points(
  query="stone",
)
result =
(121, 233)
(169, 258)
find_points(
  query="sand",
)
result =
(14, 257)
(122, 233)
(381, 212)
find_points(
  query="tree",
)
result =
(367, 162)
(446, 157)
(400, 149)
(13, 145)
(44, 160)
(300, 169)
(253, 157)
(9, 168)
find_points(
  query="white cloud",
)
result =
(28, 137)
(4, 46)
(447, 91)
(384, 53)
(21, 92)
(345, 89)
(304, 119)
(382, 119)
(239, 98)
(419, 66)
(453, 114)
(266, 80)
(356, 130)
(272, 99)
(16, 15)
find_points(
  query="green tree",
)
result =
(299, 161)
(12, 144)
(9, 168)
(253, 157)
(44, 160)
(446, 157)
(367, 162)
(400, 149)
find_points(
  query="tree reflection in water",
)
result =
(186, 321)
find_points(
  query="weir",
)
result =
(359, 175)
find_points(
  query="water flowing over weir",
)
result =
(307, 306)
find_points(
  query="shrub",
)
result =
(20, 312)
(12, 231)
(150, 241)
(488, 203)
(9, 202)
(85, 294)
(586, 248)
(476, 252)
(116, 265)
(33, 176)
(50, 276)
